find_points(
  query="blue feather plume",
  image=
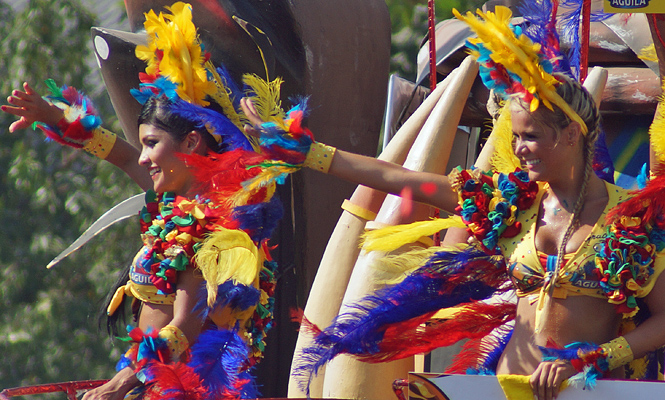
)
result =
(236, 296)
(217, 357)
(602, 161)
(570, 22)
(235, 94)
(259, 220)
(216, 123)
(448, 279)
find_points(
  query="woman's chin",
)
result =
(533, 175)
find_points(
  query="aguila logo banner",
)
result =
(632, 6)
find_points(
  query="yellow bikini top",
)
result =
(139, 287)
(528, 268)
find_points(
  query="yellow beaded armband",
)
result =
(618, 352)
(319, 157)
(177, 341)
(101, 143)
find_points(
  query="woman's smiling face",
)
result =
(542, 151)
(159, 154)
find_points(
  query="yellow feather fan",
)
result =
(182, 59)
(518, 55)
(228, 254)
(504, 159)
(657, 131)
(393, 237)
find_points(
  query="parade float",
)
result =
(426, 114)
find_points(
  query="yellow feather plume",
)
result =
(648, 53)
(519, 55)
(182, 58)
(227, 254)
(657, 131)
(393, 237)
(267, 100)
(504, 159)
(394, 268)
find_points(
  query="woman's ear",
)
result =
(194, 143)
(574, 133)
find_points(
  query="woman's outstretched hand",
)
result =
(29, 106)
(253, 116)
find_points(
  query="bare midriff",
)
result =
(156, 316)
(574, 319)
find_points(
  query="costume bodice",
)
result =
(528, 267)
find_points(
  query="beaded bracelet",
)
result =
(101, 143)
(320, 157)
(176, 340)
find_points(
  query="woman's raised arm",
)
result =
(428, 188)
(30, 107)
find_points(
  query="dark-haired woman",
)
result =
(164, 300)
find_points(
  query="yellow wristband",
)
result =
(358, 211)
(101, 143)
(319, 157)
(177, 340)
(618, 352)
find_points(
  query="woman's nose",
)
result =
(143, 158)
(519, 147)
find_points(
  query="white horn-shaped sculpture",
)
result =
(346, 377)
(342, 251)
(595, 83)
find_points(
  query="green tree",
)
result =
(409, 27)
(48, 196)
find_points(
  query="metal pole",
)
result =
(586, 29)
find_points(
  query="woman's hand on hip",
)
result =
(546, 380)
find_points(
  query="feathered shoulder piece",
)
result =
(512, 64)
(489, 203)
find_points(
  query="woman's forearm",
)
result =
(428, 188)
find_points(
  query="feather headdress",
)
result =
(512, 64)
(179, 68)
